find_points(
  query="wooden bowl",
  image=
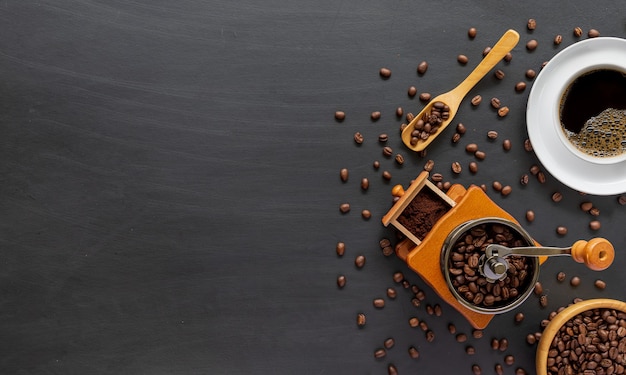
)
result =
(541, 359)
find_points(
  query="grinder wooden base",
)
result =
(425, 257)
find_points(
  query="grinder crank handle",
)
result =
(597, 253)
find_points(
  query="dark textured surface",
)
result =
(169, 181)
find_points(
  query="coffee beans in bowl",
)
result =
(464, 261)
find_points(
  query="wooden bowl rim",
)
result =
(561, 318)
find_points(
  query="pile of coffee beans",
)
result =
(430, 122)
(464, 261)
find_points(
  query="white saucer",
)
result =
(543, 121)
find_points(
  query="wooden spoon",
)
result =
(453, 98)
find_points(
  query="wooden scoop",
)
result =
(453, 98)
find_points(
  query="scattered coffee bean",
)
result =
(470, 350)
(528, 147)
(476, 100)
(600, 284)
(380, 353)
(430, 336)
(558, 39)
(359, 261)
(430, 164)
(594, 211)
(384, 243)
(520, 371)
(531, 45)
(358, 138)
(379, 303)
(376, 164)
(586, 206)
(430, 310)
(497, 186)
(509, 360)
(385, 72)
(520, 86)
(621, 200)
(461, 337)
(438, 310)
(375, 116)
(360, 319)
(399, 112)
(543, 300)
(594, 225)
(462, 59)
(409, 117)
(519, 317)
(541, 177)
(503, 111)
(423, 326)
(477, 333)
(344, 208)
(436, 177)
(399, 159)
(531, 24)
(531, 74)
(414, 322)
(498, 369)
(506, 190)
(504, 345)
(456, 137)
(492, 134)
(471, 33)
(480, 155)
(382, 138)
(389, 343)
(476, 370)
(422, 67)
(506, 145)
(499, 74)
(578, 32)
(365, 183)
(425, 96)
(414, 353)
(561, 230)
(340, 248)
(392, 370)
(538, 290)
(593, 33)
(387, 151)
(524, 179)
(486, 51)
(456, 167)
(343, 174)
(471, 148)
(495, 103)
(341, 281)
(460, 128)
(386, 175)
(557, 197)
(340, 115)
(574, 281)
(495, 344)
(366, 214)
(388, 251)
(398, 277)
(530, 339)
(473, 167)
(451, 328)
(560, 277)
(530, 216)
(508, 57)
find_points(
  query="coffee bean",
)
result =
(495, 344)
(358, 138)
(476, 370)
(412, 91)
(578, 32)
(456, 137)
(399, 112)
(476, 100)
(344, 208)
(379, 303)
(531, 24)
(398, 277)
(528, 147)
(462, 59)
(492, 134)
(422, 67)
(621, 200)
(557, 197)
(425, 96)
(366, 214)
(486, 51)
(495, 103)
(414, 353)
(538, 290)
(471, 148)
(392, 370)
(594, 211)
(534, 170)
(524, 179)
(340, 115)
(543, 300)
(530, 74)
(430, 310)
(341, 281)
(560, 277)
(387, 151)
(558, 39)
(508, 57)
(504, 345)
(375, 116)
(376, 164)
(473, 167)
(382, 138)
(574, 281)
(506, 145)
(460, 128)
(380, 353)
(340, 248)
(388, 251)
(561, 230)
(456, 167)
(423, 326)
(430, 336)
(359, 261)
(497, 186)
(470, 350)
(386, 175)
(477, 333)
(451, 328)
(519, 317)
(593, 33)
(509, 360)
(343, 174)
(389, 343)
(530, 216)
(520, 86)
(461, 337)
(498, 369)
(471, 33)
(360, 319)
(541, 177)
(399, 159)
(506, 190)
(409, 117)
(436, 177)
(503, 111)
(499, 74)
(594, 225)
(586, 206)
(414, 322)
(438, 310)
(599, 284)
(385, 72)
(531, 45)
(520, 371)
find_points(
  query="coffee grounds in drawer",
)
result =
(423, 212)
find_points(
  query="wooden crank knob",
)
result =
(397, 191)
(597, 253)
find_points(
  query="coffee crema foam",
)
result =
(603, 135)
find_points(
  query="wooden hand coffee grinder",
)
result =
(467, 209)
